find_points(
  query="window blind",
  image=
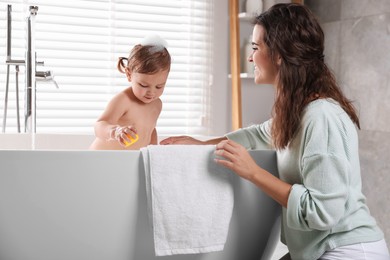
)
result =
(80, 41)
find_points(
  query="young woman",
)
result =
(313, 130)
(131, 116)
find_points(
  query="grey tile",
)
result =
(360, 8)
(365, 66)
(326, 11)
(375, 168)
(332, 46)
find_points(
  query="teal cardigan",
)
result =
(326, 207)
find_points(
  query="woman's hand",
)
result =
(236, 158)
(180, 140)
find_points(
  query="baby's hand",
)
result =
(125, 135)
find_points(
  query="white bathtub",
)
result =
(63, 202)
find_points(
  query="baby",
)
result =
(129, 120)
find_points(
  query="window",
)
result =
(80, 41)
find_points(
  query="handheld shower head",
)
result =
(33, 10)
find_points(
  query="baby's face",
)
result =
(148, 87)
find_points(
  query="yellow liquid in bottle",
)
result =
(132, 140)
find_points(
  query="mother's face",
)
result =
(266, 70)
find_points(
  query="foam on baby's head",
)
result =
(147, 57)
(156, 41)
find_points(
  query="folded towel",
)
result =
(190, 198)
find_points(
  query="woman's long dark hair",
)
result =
(293, 33)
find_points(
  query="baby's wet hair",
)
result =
(145, 59)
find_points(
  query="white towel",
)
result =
(190, 198)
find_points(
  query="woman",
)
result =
(325, 215)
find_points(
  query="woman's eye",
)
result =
(254, 48)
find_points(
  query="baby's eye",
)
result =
(143, 86)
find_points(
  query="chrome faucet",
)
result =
(30, 64)
(32, 75)
(46, 76)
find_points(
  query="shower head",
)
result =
(33, 10)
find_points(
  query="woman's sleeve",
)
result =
(253, 137)
(320, 201)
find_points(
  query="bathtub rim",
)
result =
(56, 141)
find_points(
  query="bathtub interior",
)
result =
(24, 141)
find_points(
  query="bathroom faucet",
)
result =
(30, 64)
(46, 76)
(32, 75)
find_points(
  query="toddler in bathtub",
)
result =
(129, 120)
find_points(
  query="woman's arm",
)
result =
(237, 158)
(190, 140)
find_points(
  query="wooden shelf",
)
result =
(247, 17)
(235, 64)
(245, 76)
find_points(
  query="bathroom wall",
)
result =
(257, 100)
(357, 48)
(220, 93)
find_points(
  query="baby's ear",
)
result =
(128, 74)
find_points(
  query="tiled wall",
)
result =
(357, 48)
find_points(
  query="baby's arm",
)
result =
(109, 119)
(107, 127)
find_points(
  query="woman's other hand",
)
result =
(236, 157)
(190, 140)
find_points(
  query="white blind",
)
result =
(80, 41)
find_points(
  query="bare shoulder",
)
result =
(118, 105)
(127, 93)
(157, 107)
(159, 104)
(125, 96)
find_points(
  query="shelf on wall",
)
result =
(246, 17)
(244, 76)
